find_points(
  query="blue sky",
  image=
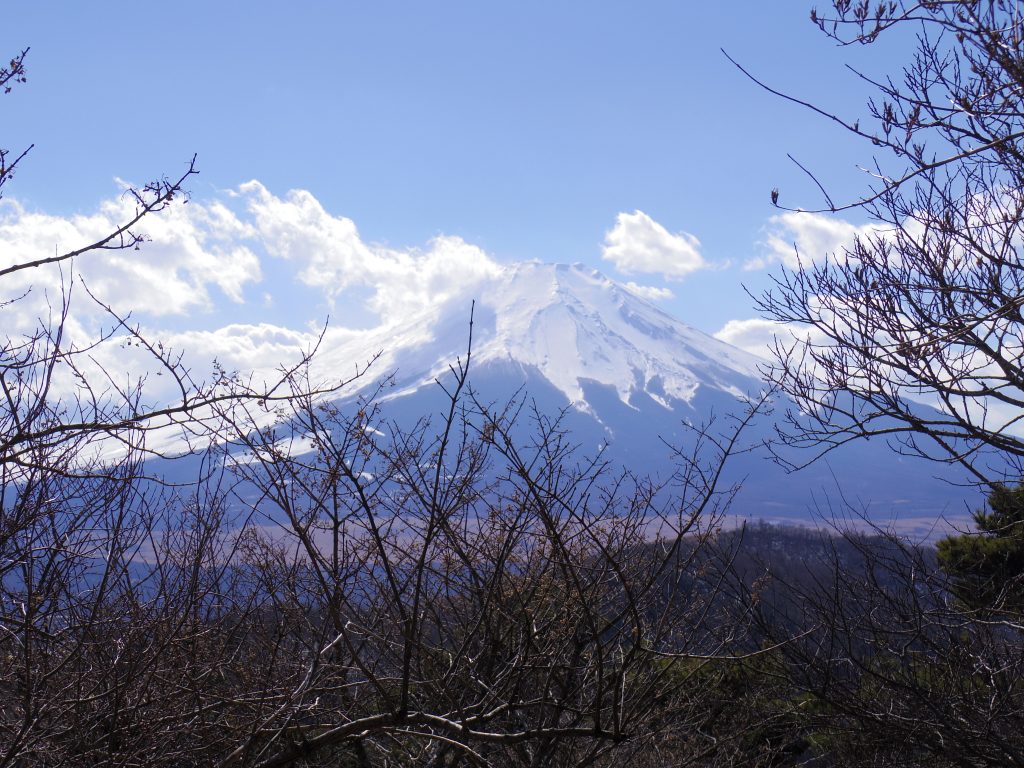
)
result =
(525, 130)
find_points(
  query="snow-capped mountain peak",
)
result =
(574, 327)
(573, 324)
(638, 381)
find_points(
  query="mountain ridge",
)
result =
(572, 324)
(631, 385)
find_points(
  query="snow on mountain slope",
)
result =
(636, 378)
(571, 324)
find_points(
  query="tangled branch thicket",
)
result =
(419, 597)
(333, 588)
(913, 332)
(454, 592)
(459, 591)
(926, 307)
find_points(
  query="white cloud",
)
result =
(205, 254)
(650, 292)
(332, 256)
(194, 253)
(797, 237)
(759, 336)
(197, 251)
(753, 335)
(260, 347)
(193, 248)
(327, 248)
(202, 256)
(637, 243)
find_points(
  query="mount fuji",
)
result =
(631, 381)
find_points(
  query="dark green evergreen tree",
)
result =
(987, 566)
